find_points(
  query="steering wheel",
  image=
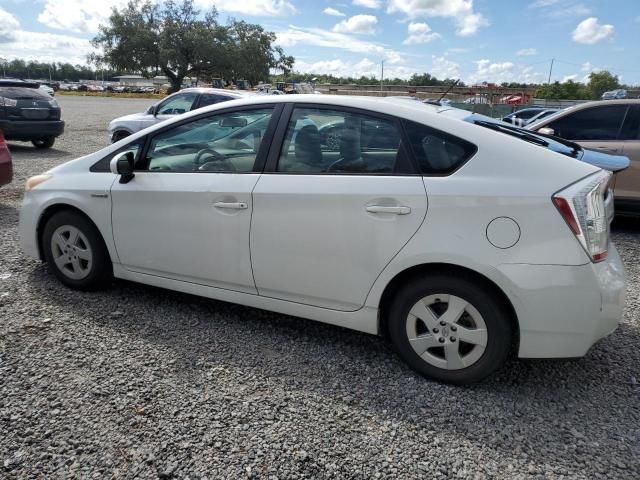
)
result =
(217, 157)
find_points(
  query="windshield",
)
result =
(556, 144)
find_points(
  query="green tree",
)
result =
(601, 82)
(175, 40)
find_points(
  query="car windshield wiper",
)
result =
(513, 132)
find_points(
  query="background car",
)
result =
(29, 114)
(609, 126)
(6, 164)
(47, 89)
(180, 102)
(527, 115)
(614, 94)
(243, 202)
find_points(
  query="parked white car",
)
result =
(457, 241)
(178, 103)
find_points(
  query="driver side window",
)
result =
(177, 104)
(226, 142)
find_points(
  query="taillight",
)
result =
(582, 205)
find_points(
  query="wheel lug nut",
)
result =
(453, 339)
(441, 340)
(436, 330)
(453, 328)
(443, 323)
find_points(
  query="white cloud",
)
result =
(420, 33)
(319, 37)
(333, 12)
(559, 9)
(589, 31)
(367, 3)
(47, 47)
(499, 72)
(566, 78)
(443, 68)
(8, 26)
(467, 21)
(364, 67)
(365, 24)
(77, 15)
(256, 8)
(526, 52)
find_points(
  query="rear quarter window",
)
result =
(437, 152)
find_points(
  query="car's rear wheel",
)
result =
(450, 329)
(75, 251)
(46, 142)
(119, 135)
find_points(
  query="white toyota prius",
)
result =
(457, 242)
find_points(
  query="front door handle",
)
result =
(231, 205)
(608, 149)
(399, 210)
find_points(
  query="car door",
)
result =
(328, 218)
(596, 128)
(186, 213)
(627, 186)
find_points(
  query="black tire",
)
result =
(119, 135)
(46, 142)
(495, 315)
(99, 271)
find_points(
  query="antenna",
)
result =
(448, 90)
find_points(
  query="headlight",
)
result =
(34, 181)
(8, 102)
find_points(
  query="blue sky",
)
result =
(476, 40)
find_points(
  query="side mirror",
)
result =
(122, 164)
(546, 131)
(152, 110)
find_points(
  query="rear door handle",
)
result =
(608, 149)
(399, 210)
(231, 205)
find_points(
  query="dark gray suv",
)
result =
(29, 114)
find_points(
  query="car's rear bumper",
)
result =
(563, 310)
(31, 130)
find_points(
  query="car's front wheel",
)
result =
(450, 329)
(75, 251)
(46, 142)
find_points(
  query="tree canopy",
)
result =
(175, 40)
(599, 82)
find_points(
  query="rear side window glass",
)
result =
(209, 99)
(631, 129)
(597, 123)
(437, 152)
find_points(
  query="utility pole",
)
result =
(550, 70)
(381, 75)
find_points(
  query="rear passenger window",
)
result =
(334, 141)
(437, 152)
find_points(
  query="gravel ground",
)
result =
(141, 382)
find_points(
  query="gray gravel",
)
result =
(141, 382)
